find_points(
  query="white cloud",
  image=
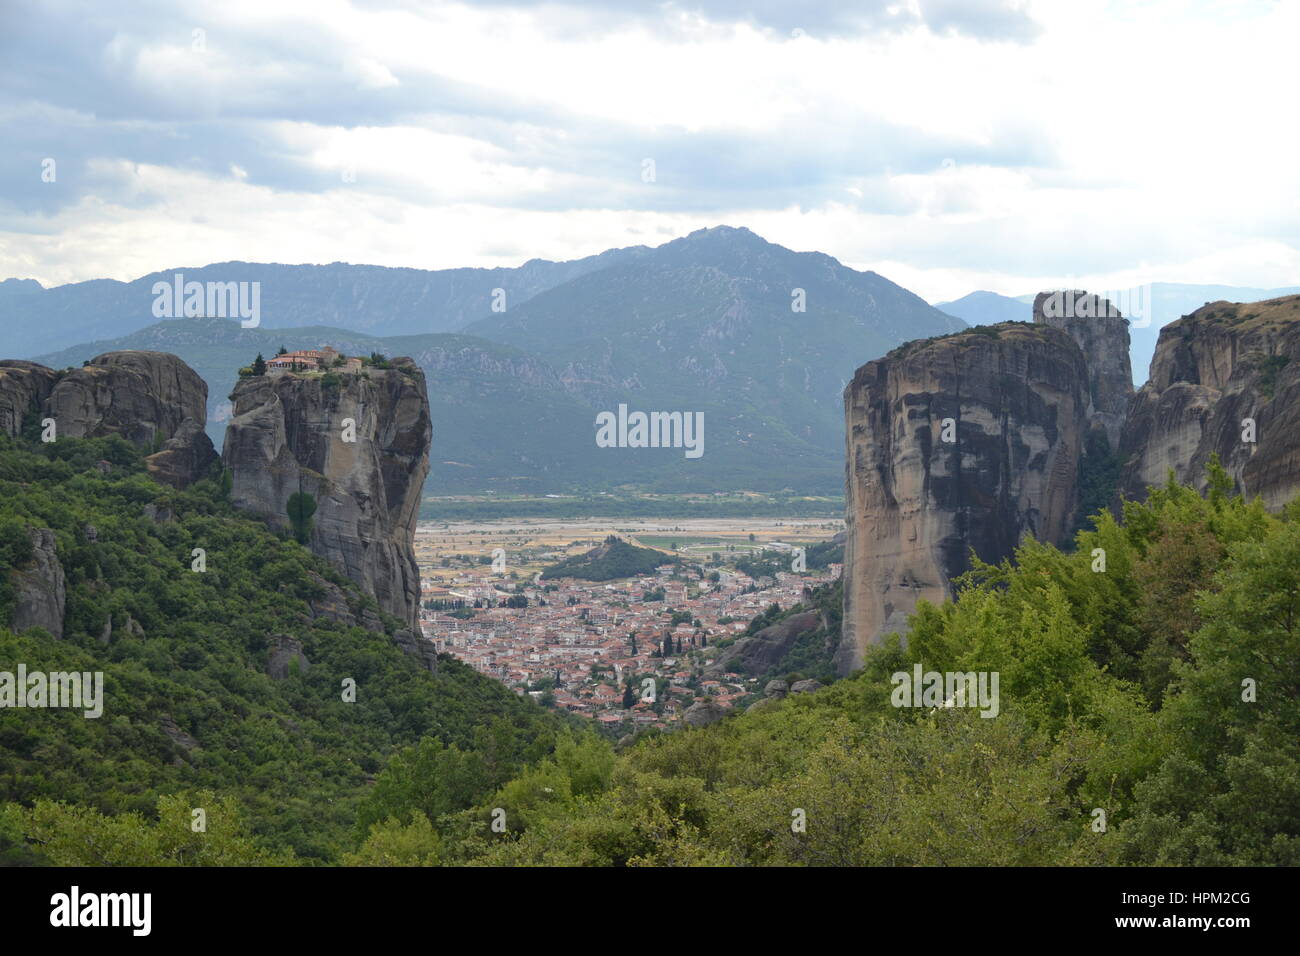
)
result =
(1124, 139)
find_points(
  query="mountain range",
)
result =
(758, 338)
(376, 300)
(519, 362)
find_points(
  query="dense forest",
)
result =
(189, 703)
(1149, 714)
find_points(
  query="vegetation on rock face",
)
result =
(1100, 468)
(300, 508)
(1269, 369)
(812, 656)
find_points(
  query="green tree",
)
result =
(301, 506)
(82, 836)
(393, 843)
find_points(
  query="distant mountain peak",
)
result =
(12, 286)
(723, 230)
(722, 234)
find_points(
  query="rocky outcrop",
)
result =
(702, 713)
(777, 689)
(1101, 333)
(24, 387)
(142, 396)
(184, 744)
(414, 643)
(760, 652)
(957, 444)
(40, 595)
(1215, 372)
(286, 652)
(184, 458)
(358, 444)
(152, 399)
(806, 686)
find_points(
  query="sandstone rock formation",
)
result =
(1213, 370)
(416, 645)
(806, 686)
(1101, 332)
(40, 595)
(290, 433)
(1027, 402)
(138, 395)
(758, 653)
(24, 387)
(184, 744)
(285, 651)
(702, 713)
(183, 458)
(777, 689)
(961, 443)
(152, 399)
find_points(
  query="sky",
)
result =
(950, 145)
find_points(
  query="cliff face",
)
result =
(40, 596)
(1212, 370)
(916, 504)
(151, 399)
(24, 387)
(1101, 333)
(288, 434)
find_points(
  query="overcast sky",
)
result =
(950, 145)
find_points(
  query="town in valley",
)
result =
(590, 647)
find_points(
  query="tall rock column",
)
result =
(358, 444)
(1101, 332)
(40, 595)
(1013, 399)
